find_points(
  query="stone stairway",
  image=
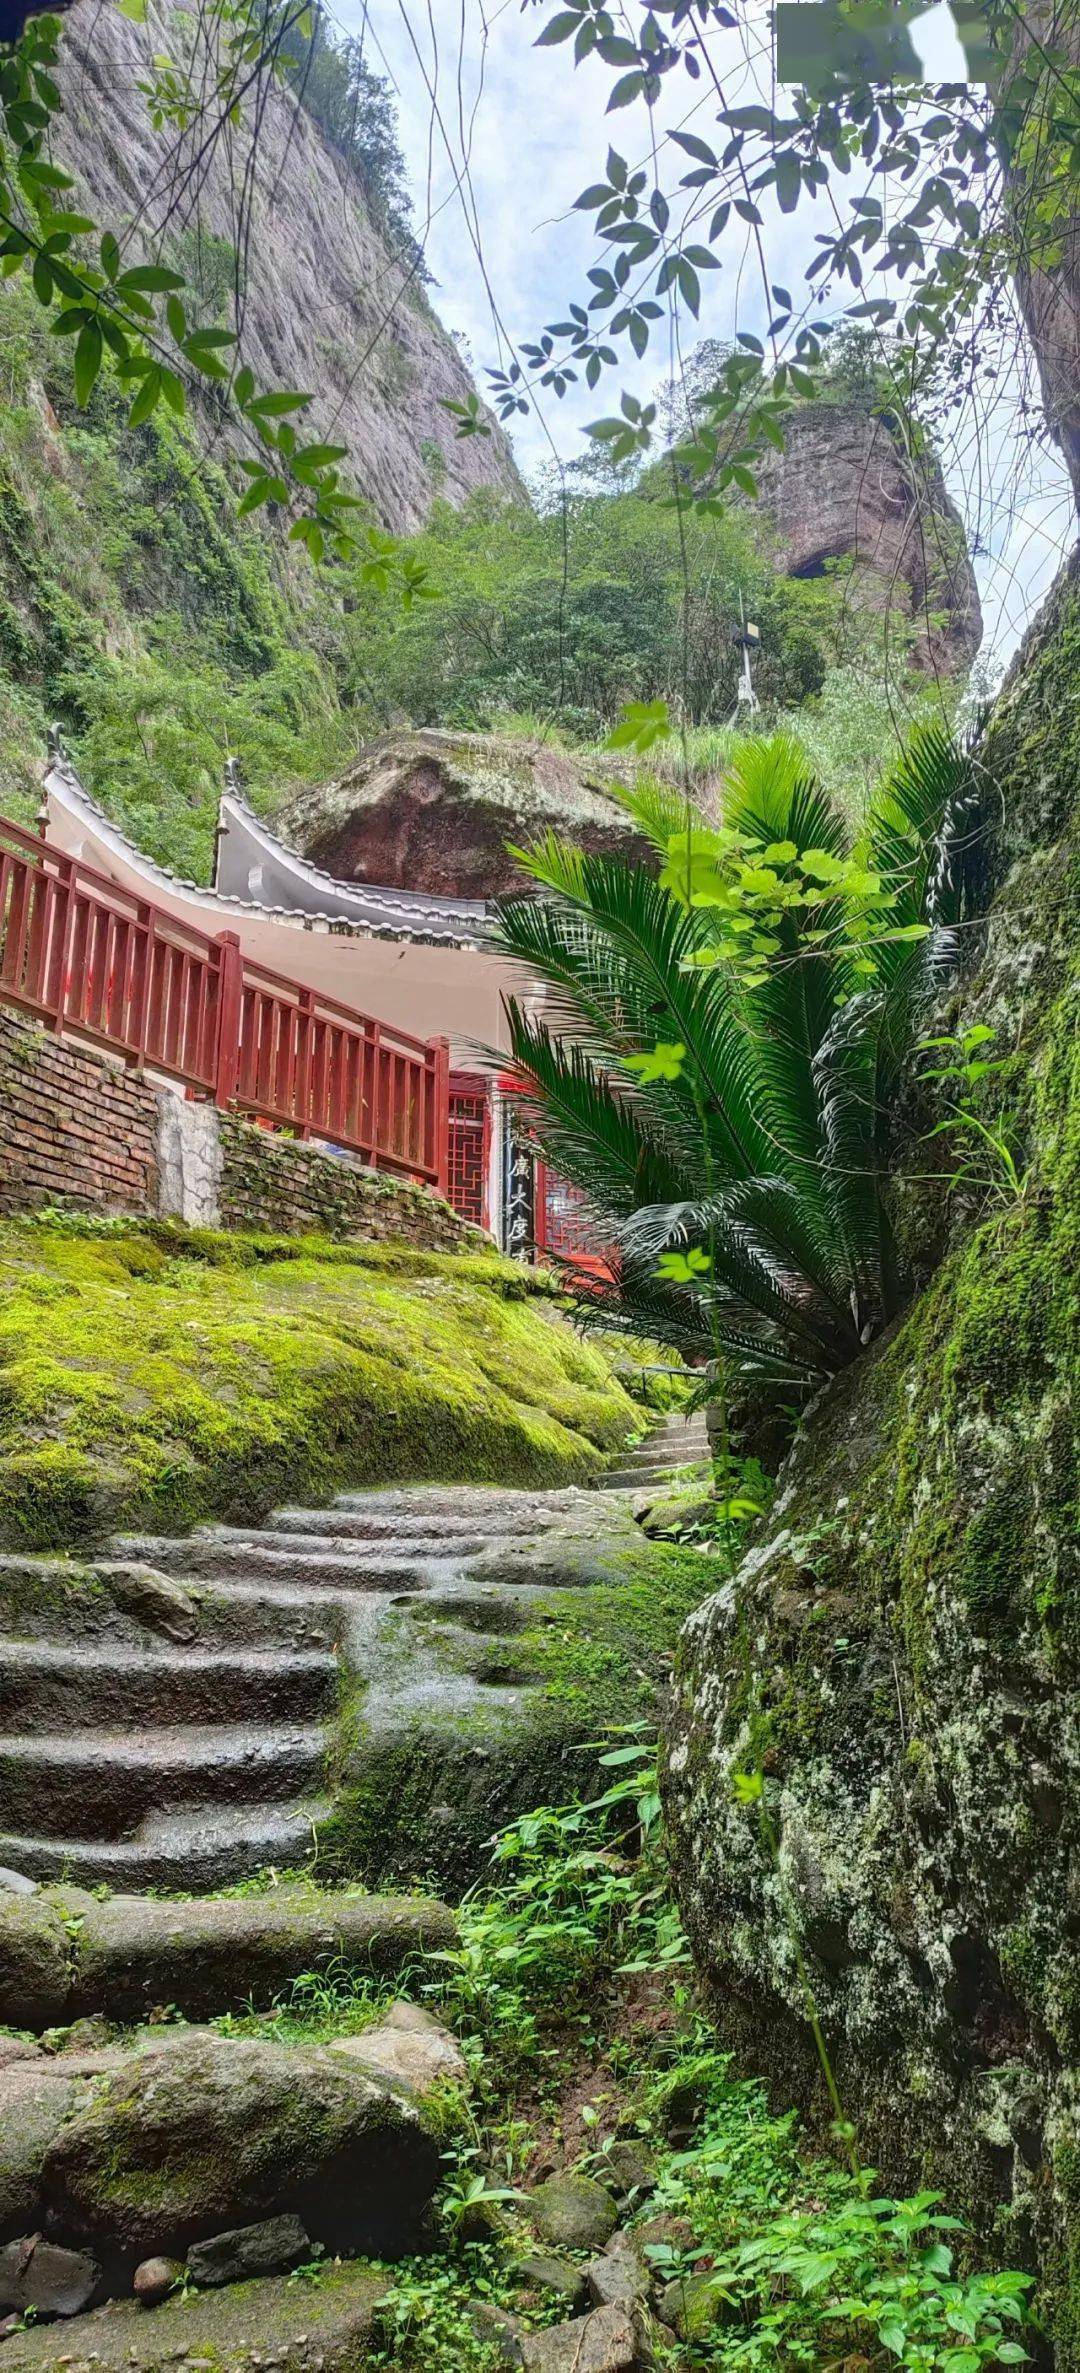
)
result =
(677, 1442)
(167, 1712)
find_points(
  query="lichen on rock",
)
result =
(898, 1654)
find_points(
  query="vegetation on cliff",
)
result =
(898, 1658)
(153, 1374)
(166, 636)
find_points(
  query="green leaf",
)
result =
(275, 405)
(148, 397)
(87, 361)
(664, 1062)
(628, 88)
(149, 279)
(558, 28)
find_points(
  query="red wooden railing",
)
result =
(94, 960)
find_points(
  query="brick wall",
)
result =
(73, 1128)
(277, 1183)
(78, 1130)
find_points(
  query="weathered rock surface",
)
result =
(273, 2246)
(319, 277)
(35, 2103)
(573, 2211)
(406, 2047)
(610, 2340)
(913, 1624)
(628, 2168)
(540, 2271)
(693, 2305)
(35, 1959)
(63, 1955)
(617, 2278)
(496, 2329)
(846, 488)
(222, 2132)
(37, 2275)
(301, 2329)
(1049, 288)
(155, 2279)
(434, 811)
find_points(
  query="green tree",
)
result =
(718, 1055)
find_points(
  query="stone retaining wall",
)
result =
(81, 1131)
(274, 1182)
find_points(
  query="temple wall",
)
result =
(83, 1133)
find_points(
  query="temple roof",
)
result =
(256, 870)
(257, 867)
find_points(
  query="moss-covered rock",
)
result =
(323, 2327)
(899, 1654)
(219, 2131)
(160, 1375)
(467, 1706)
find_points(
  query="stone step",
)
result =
(641, 1477)
(128, 1602)
(419, 1532)
(349, 1565)
(122, 1954)
(184, 1851)
(99, 1785)
(435, 1505)
(62, 1685)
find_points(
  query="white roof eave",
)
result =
(370, 912)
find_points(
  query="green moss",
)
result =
(427, 1795)
(165, 1375)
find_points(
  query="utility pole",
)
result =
(747, 638)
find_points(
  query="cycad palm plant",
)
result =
(720, 1047)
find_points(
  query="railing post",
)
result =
(230, 998)
(301, 1085)
(65, 877)
(439, 1092)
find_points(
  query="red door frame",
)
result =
(475, 1086)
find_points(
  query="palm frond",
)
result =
(582, 1124)
(629, 964)
(768, 1146)
(658, 809)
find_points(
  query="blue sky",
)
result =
(500, 137)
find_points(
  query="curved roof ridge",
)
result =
(369, 910)
(413, 907)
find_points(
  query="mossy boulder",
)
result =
(899, 1653)
(218, 2131)
(439, 811)
(158, 1375)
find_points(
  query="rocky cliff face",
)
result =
(326, 305)
(901, 1653)
(845, 488)
(434, 811)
